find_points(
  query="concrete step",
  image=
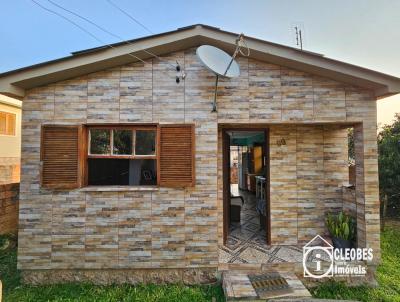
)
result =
(237, 286)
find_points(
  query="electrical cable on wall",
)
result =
(238, 49)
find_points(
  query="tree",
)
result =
(389, 165)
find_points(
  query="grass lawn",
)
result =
(388, 274)
(13, 291)
(388, 277)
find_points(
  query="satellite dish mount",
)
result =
(221, 63)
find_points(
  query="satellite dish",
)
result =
(220, 63)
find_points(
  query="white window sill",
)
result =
(119, 189)
(348, 185)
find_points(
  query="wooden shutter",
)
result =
(176, 160)
(60, 155)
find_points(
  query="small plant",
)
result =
(7, 241)
(341, 226)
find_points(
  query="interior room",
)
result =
(248, 197)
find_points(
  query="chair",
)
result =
(236, 207)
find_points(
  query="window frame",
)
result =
(9, 117)
(86, 154)
(132, 128)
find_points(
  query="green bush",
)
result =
(341, 226)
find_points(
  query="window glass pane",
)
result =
(10, 125)
(122, 172)
(145, 142)
(122, 142)
(108, 172)
(2, 123)
(99, 141)
(142, 172)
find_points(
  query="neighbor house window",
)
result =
(122, 156)
(7, 123)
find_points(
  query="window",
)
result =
(74, 156)
(122, 156)
(7, 123)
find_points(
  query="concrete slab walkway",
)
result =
(237, 287)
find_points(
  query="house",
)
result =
(125, 172)
(10, 157)
(10, 139)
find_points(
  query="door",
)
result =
(267, 186)
(226, 189)
(226, 175)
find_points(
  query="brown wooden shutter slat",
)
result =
(176, 160)
(60, 151)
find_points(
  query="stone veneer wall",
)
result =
(307, 174)
(349, 200)
(9, 195)
(181, 228)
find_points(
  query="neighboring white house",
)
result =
(10, 139)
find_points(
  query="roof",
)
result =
(15, 82)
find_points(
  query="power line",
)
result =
(70, 21)
(147, 29)
(130, 16)
(83, 18)
(81, 28)
(114, 35)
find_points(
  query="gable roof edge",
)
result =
(14, 83)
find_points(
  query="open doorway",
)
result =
(246, 186)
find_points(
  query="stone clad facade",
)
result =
(165, 228)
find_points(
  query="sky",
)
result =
(360, 32)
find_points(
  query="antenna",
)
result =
(299, 39)
(298, 32)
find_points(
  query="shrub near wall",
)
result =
(9, 197)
